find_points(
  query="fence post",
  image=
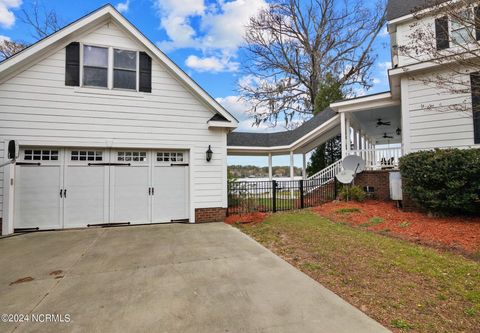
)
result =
(302, 199)
(274, 196)
(335, 190)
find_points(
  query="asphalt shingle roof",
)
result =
(246, 139)
(399, 8)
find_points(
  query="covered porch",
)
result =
(299, 141)
(371, 127)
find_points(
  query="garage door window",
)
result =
(132, 156)
(41, 155)
(169, 157)
(86, 155)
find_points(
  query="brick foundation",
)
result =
(214, 214)
(378, 179)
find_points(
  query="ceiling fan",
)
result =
(385, 136)
(383, 123)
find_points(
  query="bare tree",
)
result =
(43, 22)
(293, 46)
(456, 49)
(9, 48)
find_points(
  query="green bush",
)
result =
(353, 192)
(443, 181)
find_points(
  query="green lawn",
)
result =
(404, 286)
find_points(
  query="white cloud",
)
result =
(2, 38)
(385, 65)
(239, 108)
(216, 29)
(384, 32)
(211, 64)
(7, 18)
(122, 7)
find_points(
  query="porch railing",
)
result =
(379, 158)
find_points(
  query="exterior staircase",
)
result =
(328, 174)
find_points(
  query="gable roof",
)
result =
(285, 138)
(105, 13)
(399, 8)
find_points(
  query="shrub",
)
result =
(443, 181)
(353, 192)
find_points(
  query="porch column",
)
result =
(343, 132)
(356, 135)
(347, 135)
(270, 171)
(292, 175)
(304, 166)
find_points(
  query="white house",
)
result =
(110, 130)
(413, 115)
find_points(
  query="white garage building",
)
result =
(110, 131)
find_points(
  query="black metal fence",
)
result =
(278, 195)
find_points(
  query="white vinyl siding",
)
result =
(432, 123)
(36, 108)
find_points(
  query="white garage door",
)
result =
(67, 188)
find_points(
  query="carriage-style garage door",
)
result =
(68, 188)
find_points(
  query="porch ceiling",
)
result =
(368, 119)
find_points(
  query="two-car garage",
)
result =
(78, 187)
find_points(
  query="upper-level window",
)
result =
(462, 28)
(124, 69)
(95, 66)
(107, 67)
(458, 29)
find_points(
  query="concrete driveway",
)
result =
(163, 278)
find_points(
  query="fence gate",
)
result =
(274, 195)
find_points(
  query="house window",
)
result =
(95, 66)
(83, 155)
(124, 69)
(129, 156)
(475, 85)
(462, 28)
(41, 155)
(169, 157)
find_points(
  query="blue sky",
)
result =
(203, 37)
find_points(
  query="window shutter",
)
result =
(72, 64)
(145, 72)
(441, 33)
(477, 22)
(475, 85)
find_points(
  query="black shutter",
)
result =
(145, 72)
(475, 85)
(477, 22)
(72, 64)
(441, 33)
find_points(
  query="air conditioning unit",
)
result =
(395, 180)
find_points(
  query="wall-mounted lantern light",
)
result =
(209, 154)
(399, 131)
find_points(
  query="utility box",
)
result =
(395, 180)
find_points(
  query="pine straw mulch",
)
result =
(461, 234)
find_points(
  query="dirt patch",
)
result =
(461, 233)
(57, 272)
(22, 280)
(252, 218)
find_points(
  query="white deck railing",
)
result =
(379, 158)
(328, 173)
